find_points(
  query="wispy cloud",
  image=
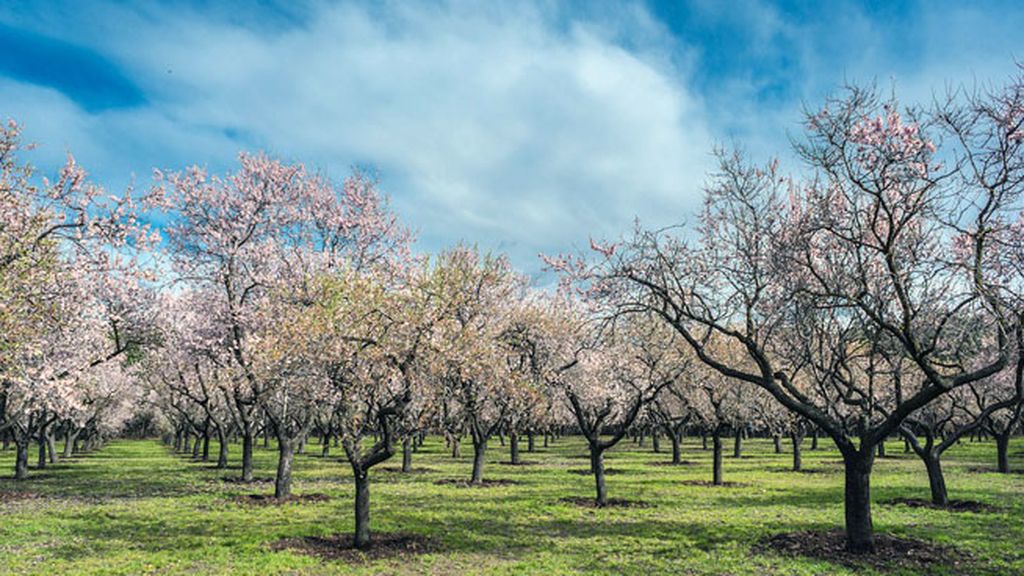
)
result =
(527, 127)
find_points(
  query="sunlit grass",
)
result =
(135, 508)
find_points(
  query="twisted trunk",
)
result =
(936, 479)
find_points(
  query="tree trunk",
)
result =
(513, 442)
(859, 529)
(21, 460)
(479, 451)
(814, 440)
(1002, 452)
(737, 447)
(456, 448)
(222, 452)
(206, 445)
(247, 441)
(51, 446)
(703, 441)
(188, 443)
(42, 450)
(545, 439)
(69, 442)
(362, 533)
(676, 454)
(325, 446)
(197, 448)
(407, 454)
(936, 480)
(881, 449)
(716, 471)
(285, 456)
(597, 467)
(531, 443)
(777, 440)
(797, 440)
(656, 442)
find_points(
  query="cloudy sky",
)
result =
(523, 126)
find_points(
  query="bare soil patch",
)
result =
(612, 503)
(588, 472)
(710, 484)
(398, 470)
(270, 500)
(891, 552)
(992, 470)
(19, 496)
(458, 483)
(804, 470)
(953, 506)
(255, 480)
(339, 547)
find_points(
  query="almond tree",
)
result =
(858, 253)
(469, 363)
(70, 300)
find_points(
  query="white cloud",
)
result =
(517, 128)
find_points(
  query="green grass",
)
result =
(135, 508)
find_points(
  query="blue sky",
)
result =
(526, 127)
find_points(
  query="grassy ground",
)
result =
(135, 508)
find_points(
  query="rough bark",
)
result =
(21, 460)
(222, 452)
(51, 447)
(362, 510)
(42, 450)
(859, 528)
(407, 454)
(797, 440)
(479, 452)
(247, 441)
(716, 471)
(936, 480)
(285, 457)
(1002, 452)
(597, 467)
(513, 438)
